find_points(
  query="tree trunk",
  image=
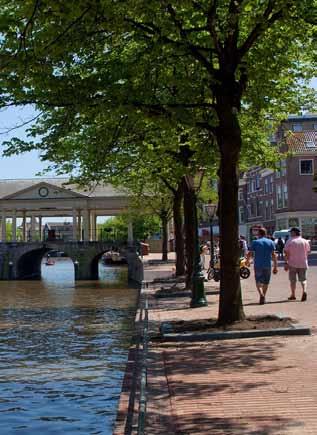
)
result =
(230, 303)
(164, 219)
(229, 142)
(189, 233)
(178, 231)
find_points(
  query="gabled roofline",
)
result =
(43, 184)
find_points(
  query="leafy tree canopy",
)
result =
(107, 75)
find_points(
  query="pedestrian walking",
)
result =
(296, 252)
(204, 250)
(280, 247)
(263, 250)
(243, 246)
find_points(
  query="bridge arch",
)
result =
(29, 264)
(23, 260)
(93, 257)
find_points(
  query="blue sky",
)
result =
(24, 165)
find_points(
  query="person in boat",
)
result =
(49, 261)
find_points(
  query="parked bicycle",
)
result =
(213, 271)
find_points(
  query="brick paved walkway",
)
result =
(252, 386)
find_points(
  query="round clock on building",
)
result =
(43, 191)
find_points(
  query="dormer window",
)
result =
(297, 127)
(310, 144)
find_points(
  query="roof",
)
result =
(9, 187)
(304, 142)
(304, 117)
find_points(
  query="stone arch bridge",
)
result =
(23, 260)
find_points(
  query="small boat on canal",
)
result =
(113, 257)
(49, 262)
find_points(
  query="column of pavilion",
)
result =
(84, 225)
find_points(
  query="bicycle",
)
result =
(213, 271)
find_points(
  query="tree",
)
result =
(143, 226)
(153, 198)
(211, 66)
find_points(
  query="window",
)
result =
(259, 208)
(283, 168)
(293, 222)
(279, 198)
(308, 226)
(310, 144)
(257, 181)
(240, 195)
(281, 224)
(271, 185)
(285, 196)
(267, 210)
(306, 167)
(315, 126)
(266, 185)
(241, 215)
(297, 127)
(249, 210)
(252, 209)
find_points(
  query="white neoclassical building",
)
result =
(26, 202)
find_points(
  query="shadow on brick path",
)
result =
(202, 382)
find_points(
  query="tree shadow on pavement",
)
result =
(216, 379)
(200, 423)
(181, 304)
(232, 355)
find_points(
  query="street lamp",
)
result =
(198, 278)
(76, 267)
(211, 209)
(10, 269)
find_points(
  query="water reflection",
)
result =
(63, 349)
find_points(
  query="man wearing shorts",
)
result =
(263, 250)
(296, 252)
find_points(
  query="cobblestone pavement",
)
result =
(260, 386)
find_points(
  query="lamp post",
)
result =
(198, 289)
(211, 211)
(76, 267)
(10, 269)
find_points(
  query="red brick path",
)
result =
(252, 386)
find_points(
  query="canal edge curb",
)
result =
(132, 402)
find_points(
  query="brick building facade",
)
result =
(284, 198)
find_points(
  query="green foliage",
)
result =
(115, 81)
(9, 232)
(144, 226)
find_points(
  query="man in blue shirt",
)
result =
(263, 250)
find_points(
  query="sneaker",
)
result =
(304, 297)
(262, 300)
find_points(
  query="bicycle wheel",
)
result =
(217, 275)
(244, 272)
(210, 274)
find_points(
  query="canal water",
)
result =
(63, 350)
